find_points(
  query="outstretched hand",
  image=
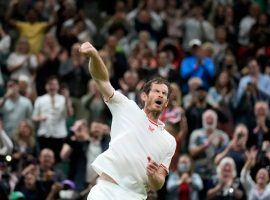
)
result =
(88, 49)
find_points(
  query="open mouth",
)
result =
(159, 102)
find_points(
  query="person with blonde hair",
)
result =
(227, 186)
(237, 148)
(260, 188)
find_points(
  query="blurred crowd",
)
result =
(54, 123)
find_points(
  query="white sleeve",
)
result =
(117, 102)
(33, 63)
(165, 164)
(172, 183)
(5, 44)
(192, 140)
(246, 180)
(12, 60)
(7, 144)
(197, 183)
(36, 111)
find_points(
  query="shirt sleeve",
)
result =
(117, 102)
(36, 111)
(166, 162)
(6, 142)
(246, 180)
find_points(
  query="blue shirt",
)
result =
(190, 68)
(263, 85)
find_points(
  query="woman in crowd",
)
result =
(184, 183)
(260, 188)
(220, 97)
(226, 186)
(237, 148)
(24, 146)
(21, 61)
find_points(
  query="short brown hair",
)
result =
(159, 80)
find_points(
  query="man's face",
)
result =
(254, 68)
(52, 86)
(262, 177)
(46, 158)
(157, 99)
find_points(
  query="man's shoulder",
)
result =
(198, 132)
(24, 100)
(169, 137)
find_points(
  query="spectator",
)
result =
(14, 108)
(259, 125)
(184, 183)
(252, 87)
(5, 42)
(24, 147)
(144, 40)
(130, 85)
(47, 169)
(196, 27)
(246, 24)
(82, 148)
(50, 111)
(22, 62)
(165, 69)
(220, 46)
(31, 28)
(74, 68)
(193, 84)
(80, 26)
(27, 88)
(49, 61)
(194, 112)
(30, 186)
(230, 65)
(227, 186)
(143, 19)
(221, 97)
(93, 104)
(197, 65)
(204, 144)
(259, 188)
(236, 149)
(6, 145)
(118, 60)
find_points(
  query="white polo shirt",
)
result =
(133, 138)
(55, 124)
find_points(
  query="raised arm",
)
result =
(98, 70)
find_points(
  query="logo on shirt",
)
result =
(150, 128)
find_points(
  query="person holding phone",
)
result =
(236, 149)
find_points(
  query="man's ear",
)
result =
(143, 97)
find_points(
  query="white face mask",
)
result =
(66, 194)
(183, 167)
(212, 126)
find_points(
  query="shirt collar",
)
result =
(159, 123)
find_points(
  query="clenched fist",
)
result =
(151, 168)
(88, 50)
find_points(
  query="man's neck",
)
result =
(14, 97)
(153, 116)
(52, 94)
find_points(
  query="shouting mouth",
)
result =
(158, 102)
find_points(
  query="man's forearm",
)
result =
(97, 68)
(197, 150)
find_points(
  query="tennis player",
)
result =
(141, 149)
